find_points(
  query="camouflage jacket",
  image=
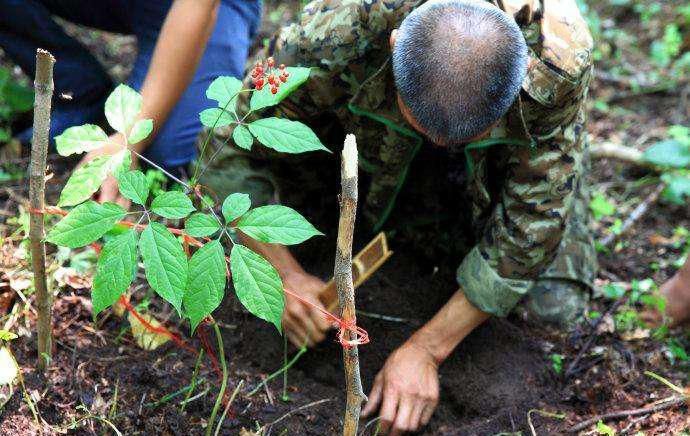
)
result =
(521, 224)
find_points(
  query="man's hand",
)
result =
(406, 388)
(109, 189)
(303, 323)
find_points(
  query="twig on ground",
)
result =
(227, 407)
(542, 413)
(43, 85)
(267, 427)
(634, 216)
(672, 402)
(344, 285)
(611, 150)
(572, 368)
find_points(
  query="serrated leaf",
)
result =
(216, 117)
(668, 153)
(257, 284)
(242, 137)
(84, 182)
(172, 204)
(200, 224)
(206, 286)
(80, 139)
(165, 263)
(276, 224)
(85, 224)
(235, 205)
(115, 271)
(87, 179)
(264, 98)
(122, 107)
(140, 131)
(134, 186)
(285, 136)
(224, 90)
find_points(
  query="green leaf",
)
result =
(216, 117)
(117, 265)
(605, 429)
(140, 131)
(242, 137)
(80, 139)
(87, 179)
(224, 90)
(165, 263)
(276, 224)
(200, 224)
(601, 207)
(613, 291)
(122, 107)
(677, 188)
(285, 136)
(7, 335)
(235, 205)
(84, 182)
(134, 186)
(264, 98)
(668, 153)
(206, 286)
(172, 204)
(85, 223)
(257, 284)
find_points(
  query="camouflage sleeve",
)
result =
(523, 232)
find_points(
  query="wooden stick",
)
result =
(627, 413)
(43, 85)
(344, 285)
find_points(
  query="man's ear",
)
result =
(391, 40)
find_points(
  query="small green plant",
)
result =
(192, 282)
(557, 363)
(605, 429)
(194, 286)
(15, 98)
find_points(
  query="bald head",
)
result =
(458, 66)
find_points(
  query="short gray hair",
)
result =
(458, 66)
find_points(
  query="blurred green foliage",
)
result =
(15, 98)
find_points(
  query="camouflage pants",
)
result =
(429, 208)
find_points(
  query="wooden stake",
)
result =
(343, 281)
(43, 85)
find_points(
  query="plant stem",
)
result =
(224, 383)
(43, 85)
(285, 373)
(344, 285)
(227, 407)
(192, 384)
(282, 370)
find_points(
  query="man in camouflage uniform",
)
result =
(525, 231)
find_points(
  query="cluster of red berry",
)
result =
(269, 75)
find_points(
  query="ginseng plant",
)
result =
(192, 282)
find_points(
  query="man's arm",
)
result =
(179, 48)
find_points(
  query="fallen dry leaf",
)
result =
(145, 338)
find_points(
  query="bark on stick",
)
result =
(344, 285)
(43, 85)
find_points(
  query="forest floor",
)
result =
(509, 377)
